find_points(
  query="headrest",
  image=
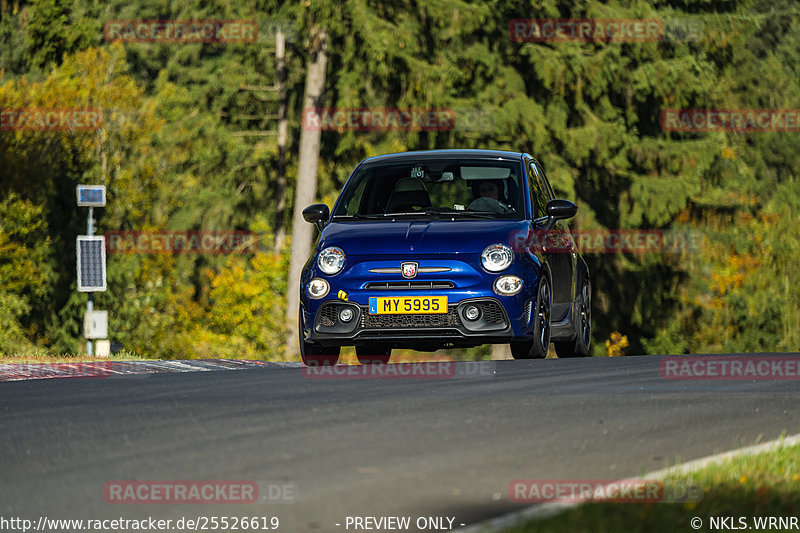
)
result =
(409, 185)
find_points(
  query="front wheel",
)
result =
(583, 325)
(314, 354)
(319, 355)
(537, 348)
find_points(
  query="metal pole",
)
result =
(89, 303)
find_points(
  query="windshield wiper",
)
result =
(441, 214)
(358, 216)
(478, 214)
(427, 212)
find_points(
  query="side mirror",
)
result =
(317, 214)
(557, 210)
(561, 209)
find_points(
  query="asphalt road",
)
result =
(377, 447)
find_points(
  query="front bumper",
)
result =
(413, 330)
(462, 280)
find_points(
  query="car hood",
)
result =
(420, 236)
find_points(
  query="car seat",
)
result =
(408, 193)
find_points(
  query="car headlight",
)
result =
(497, 257)
(318, 288)
(331, 260)
(507, 285)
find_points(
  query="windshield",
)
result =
(468, 188)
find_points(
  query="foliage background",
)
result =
(170, 158)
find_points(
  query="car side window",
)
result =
(538, 194)
(543, 183)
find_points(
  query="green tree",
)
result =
(26, 273)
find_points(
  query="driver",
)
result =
(489, 189)
(489, 198)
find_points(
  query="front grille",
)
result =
(412, 333)
(327, 315)
(492, 313)
(406, 285)
(449, 319)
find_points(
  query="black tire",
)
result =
(372, 355)
(314, 354)
(320, 355)
(537, 348)
(583, 324)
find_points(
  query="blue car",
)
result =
(442, 249)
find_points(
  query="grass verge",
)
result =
(47, 357)
(745, 487)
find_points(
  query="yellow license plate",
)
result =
(408, 305)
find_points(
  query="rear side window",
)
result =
(538, 190)
(541, 178)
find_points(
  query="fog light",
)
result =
(507, 285)
(346, 314)
(472, 313)
(318, 288)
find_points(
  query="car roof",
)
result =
(443, 154)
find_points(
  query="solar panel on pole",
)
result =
(91, 263)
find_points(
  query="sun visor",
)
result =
(485, 173)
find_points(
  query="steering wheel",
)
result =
(490, 205)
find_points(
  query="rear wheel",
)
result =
(371, 355)
(583, 325)
(314, 354)
(537, 348)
